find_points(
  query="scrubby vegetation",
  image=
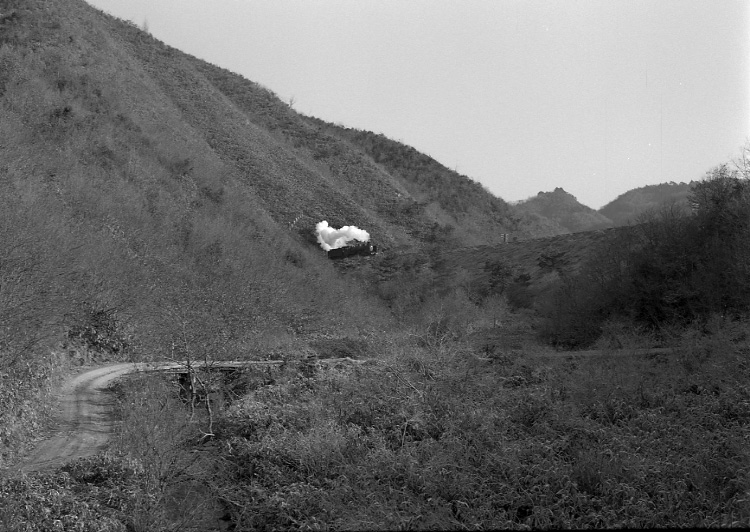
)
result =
(428, 439)
(676, 267)
(432, 437)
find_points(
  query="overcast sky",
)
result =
(595, 96)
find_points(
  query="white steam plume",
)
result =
(330, 238)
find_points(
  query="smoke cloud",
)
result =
(330, 238)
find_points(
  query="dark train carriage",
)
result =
(357, 248)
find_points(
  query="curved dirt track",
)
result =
(84, 419)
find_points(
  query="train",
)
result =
(356, 248)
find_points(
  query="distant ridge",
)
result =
(564, 209)
(627, 207)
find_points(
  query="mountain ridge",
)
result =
(563, 208)
(627, 207)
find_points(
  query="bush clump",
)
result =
(99, 330)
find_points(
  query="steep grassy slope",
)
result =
(219, 127)
(108, 146)
(155, 205)
(627, 207)
(273, 155)
(302, 170)
(563, 208)
(184, 175)
(173, 183)
(143, 214)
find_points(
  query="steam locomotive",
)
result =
(356, 248)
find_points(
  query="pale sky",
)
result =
(594, 96)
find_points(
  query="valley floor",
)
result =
(423, 437)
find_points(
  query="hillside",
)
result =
(155, 181)
(627, 207)
(154, 205)
(454, 199)
(564, 209)
(182, 174)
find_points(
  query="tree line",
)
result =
(678, 265)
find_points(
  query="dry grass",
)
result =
(428, 438)
(435, 437)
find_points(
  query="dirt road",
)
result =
(83, 421)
